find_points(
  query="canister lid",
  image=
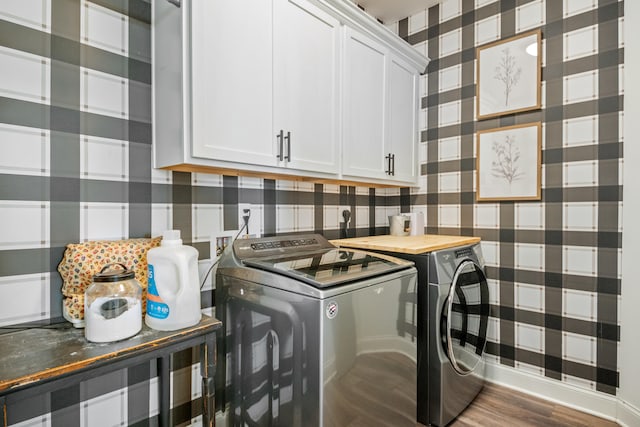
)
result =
(109, 274)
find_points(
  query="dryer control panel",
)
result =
(443, 263)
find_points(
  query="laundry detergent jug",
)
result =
(173, 294)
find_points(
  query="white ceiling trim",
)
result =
(390, 11)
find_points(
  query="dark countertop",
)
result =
(32, 355)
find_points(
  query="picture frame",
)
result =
(508, 163)
(508, 75)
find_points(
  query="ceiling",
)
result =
(390, 11)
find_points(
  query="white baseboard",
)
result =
(628, 415)
(591, 402)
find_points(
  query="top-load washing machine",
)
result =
(315, 335)
(453, 312)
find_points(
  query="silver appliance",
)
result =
(315, 335)
(453, 301)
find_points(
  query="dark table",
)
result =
(34, 361)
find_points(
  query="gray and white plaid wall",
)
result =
(75, 165)
(553, 265)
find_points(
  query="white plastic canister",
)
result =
(173, 294)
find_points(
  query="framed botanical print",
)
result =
(508, 163)
(508, 73)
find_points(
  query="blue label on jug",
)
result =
(155, 306)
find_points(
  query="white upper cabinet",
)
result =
(304, 88)
(231, 78)
(365, 79)
(402, 120)
(380, 93)
(305, 85)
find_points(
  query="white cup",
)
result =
(399, 225)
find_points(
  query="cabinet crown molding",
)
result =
(352, 15)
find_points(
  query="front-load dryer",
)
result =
(453, 312)
(458, 313)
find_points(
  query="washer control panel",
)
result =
(271, 244)
(279, 245)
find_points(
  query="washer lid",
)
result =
(329, 267)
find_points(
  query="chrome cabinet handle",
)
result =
(174, 2)
(280, 145)
(288, 139)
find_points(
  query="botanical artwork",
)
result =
(508, 76)
(508, 163)
(508, 72)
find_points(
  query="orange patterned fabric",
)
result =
(82, 261)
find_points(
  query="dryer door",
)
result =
(465, 317)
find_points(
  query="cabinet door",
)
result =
(231, 91)
(364, 89)
(402, 130)
(306, 67)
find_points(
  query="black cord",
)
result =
(24, 328)
(217, 260)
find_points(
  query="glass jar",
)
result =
(113, 305)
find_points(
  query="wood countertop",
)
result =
(406, 244)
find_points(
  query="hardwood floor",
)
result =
(498, 406)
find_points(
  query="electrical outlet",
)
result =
(341, 209)
(255, 220)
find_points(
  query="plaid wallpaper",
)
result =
(76, 165)
(553, 265)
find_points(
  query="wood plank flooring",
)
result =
(498, 406)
